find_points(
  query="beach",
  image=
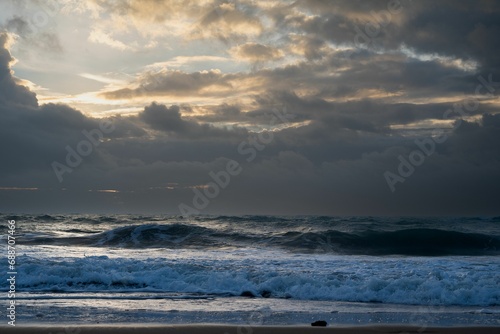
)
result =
(222, 329)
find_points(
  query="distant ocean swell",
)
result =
(410, 241)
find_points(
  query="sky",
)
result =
(303, 107)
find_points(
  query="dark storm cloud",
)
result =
(369, 115)
(160, 117)
(32, 136)
(10, 92)
(466, 30)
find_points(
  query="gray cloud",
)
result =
(169, 120)
(173, 82)
(256, 52)
(32, 36)
(10, 92)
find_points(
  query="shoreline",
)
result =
(236, 329)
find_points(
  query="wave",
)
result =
(424, 242)
(409, 241)
(420, 281)
(263, 257)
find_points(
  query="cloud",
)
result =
(310, 47)
(10, 92)
(358, 110)
(45, 41)
(103, 38)
(169, 119)
(255, 52)
(147, 10)
(190, 19)
(33, 136)
(228, 21)
(174, 82)
(160, 117)
(465, 31)
(180, 61)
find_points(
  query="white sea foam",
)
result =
(467, 281)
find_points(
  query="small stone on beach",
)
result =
(319, 323)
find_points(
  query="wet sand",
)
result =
(230, 329)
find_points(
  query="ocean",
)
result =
(254, 270)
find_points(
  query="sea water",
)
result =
(256, 270)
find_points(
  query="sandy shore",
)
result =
(226, 329)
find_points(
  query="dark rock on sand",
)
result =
(265, 293)
(247, 294)
(319, 323)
